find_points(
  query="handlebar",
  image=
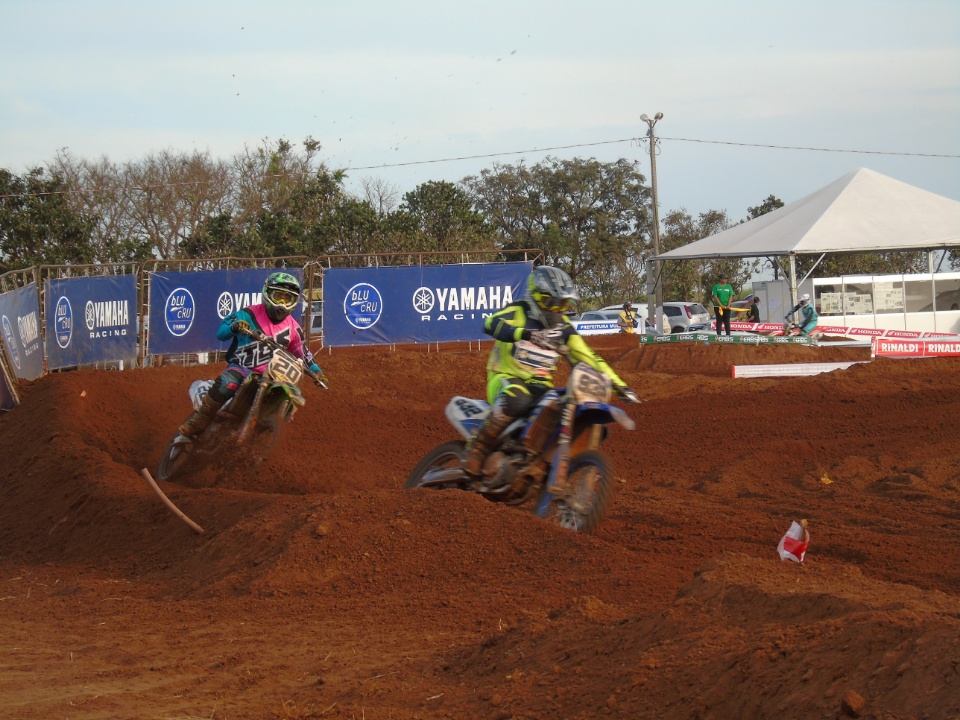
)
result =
(267, 340)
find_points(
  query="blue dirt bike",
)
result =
(550, 459)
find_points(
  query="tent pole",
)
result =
(793, 279)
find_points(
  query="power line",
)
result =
(659, 137)
(559, 147)
(814, 149)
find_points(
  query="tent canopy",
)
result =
(863, 211)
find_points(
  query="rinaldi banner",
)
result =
(882, 347)
(416, 304)
(727, 339)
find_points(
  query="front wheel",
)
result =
(443, 457)
(590, 484)
(175, 459)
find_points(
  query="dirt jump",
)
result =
(320, 588)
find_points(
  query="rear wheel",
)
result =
(443, 457)
(591, 487)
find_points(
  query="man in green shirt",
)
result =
(722, 293)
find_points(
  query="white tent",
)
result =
(863, 211)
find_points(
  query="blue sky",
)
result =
(389, 83)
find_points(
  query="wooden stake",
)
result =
(176, 511)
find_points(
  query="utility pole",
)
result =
(658, 286)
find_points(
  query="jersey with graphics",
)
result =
(254, 355)
(808, 315)
(515, 356)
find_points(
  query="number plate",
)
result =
(589, 385)
(285, 368)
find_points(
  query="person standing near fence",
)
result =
(721, 294)
(627, 321)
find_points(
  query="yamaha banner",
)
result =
(416, 304)
(20, 330)
(90, 320)
(186, 308)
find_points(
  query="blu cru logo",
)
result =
(63, 321)
(179, 312)
(11, 342)
(362, 306)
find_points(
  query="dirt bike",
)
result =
(792, 329)
(550, 457)
(255, 415)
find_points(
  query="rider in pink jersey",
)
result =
(281, 293)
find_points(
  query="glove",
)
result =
(241, 327)
(545, 339)
(627, 394)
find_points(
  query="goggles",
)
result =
(555, 304)
(283, 297)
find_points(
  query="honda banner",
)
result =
(20, 330)
(90, 319)
(417, 304)
(186, 308)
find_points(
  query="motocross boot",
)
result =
(483, 442)
(194, 425)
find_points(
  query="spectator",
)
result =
(628, 319)
(722, 293)
(754, 314)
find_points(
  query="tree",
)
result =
(693, 279)
(589, 218)
(442, 218)
(771, 203)
(98, 190)
(38, 225)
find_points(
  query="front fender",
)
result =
(594, 413)
(291, 391)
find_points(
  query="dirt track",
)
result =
(321, 589)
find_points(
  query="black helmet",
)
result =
(281, 292)
(552, 289)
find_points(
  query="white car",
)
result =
(686, 316)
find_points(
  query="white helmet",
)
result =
(805, 298)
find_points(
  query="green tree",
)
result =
(442, 217)
(589, 218)
(771, 203)
(882, 263)
(38, 225)
(693, 279)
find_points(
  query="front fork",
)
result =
(254, 410)
(561, 459)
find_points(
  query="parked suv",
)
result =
(686, 316)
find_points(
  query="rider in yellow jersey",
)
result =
(524, 357)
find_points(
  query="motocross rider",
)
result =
(516, 377)
(281, 293)
(808, 317)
